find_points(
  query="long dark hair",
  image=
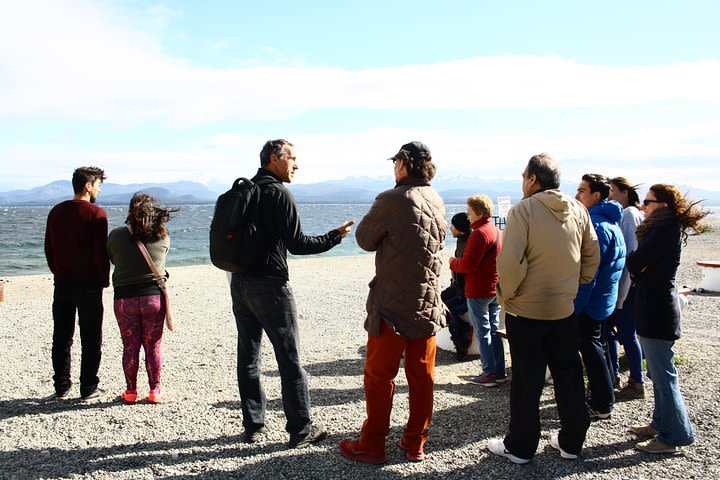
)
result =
(688, 214)
(147, 217)
(624, 185)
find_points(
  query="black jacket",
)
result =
(657, 314)
(279, 226)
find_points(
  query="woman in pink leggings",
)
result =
(139, 305)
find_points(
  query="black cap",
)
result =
(461, 222)
(414, 149)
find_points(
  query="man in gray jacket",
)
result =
(549, 246)
(406, 227)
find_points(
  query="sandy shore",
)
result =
(198, 434)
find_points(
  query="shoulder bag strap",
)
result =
(159, 279)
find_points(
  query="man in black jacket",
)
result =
(263, 300)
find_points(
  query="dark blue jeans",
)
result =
(625, 321)
(535, 344)
(593, 348)
(86, 300)
(460, 330)
(267, 304)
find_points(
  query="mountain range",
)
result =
(349, 190)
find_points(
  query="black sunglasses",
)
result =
(647, 202)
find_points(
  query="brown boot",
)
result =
(631, 391)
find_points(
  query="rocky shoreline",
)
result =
(199, 433)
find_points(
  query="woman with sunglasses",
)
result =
(668, 217)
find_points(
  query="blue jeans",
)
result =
(460, 331)
(484, 313)
(670, 416)
(264, 303)
(625, 321)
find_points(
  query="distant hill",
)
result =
(349, 190)
(175, 193)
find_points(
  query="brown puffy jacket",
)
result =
(406, 228)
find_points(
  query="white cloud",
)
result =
(80, 60)
(77, 61)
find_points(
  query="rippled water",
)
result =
(22, 233)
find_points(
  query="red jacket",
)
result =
(478, 261)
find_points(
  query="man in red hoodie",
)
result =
(75, 250)
(478, 265)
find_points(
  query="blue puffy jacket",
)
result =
(597, 299)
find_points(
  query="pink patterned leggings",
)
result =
(141, 321)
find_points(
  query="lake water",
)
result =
(22, 233)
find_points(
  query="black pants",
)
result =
(594, 349)
(535, 344)
(262, 303)
(68, 298)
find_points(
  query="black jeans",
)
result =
(535, 344)
(68, 298)
(262, 303)
(593, 346)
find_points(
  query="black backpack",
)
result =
(234, 242)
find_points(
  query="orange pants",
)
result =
(382, 363)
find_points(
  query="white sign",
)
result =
(504, 205)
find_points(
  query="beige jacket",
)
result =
(406, 228)
(549, 247)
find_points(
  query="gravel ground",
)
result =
(198, 434)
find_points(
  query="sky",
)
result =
(190, 90)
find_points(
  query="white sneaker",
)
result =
(497, 446)
(556, 445)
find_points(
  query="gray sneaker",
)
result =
(252, 436)
(484, 380)
(596, 414)
(317, 433)
(62, 393)
(94, 396)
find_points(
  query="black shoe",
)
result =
(317, 433)
(252, 436)
(60, 394)
(94, 396)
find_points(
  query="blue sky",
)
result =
(189, 90)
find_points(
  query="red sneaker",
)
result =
(129, 397)
(157, 396)
(352, 450)
(412, 455)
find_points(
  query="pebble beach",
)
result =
(198, 434)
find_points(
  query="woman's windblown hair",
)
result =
(147, 217)
(688, 213)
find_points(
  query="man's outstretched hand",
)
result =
(345, 229)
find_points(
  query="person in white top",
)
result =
(625, 193)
